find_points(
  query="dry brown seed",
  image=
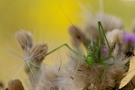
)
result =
(6, 89)
(15, 85)
(1, 85)
(77, 36)
(25, 39)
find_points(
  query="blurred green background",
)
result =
(45, 19)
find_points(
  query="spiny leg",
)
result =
(66, 45)
(105, 69)
(105, 64)
(106, 58)
(100, 25)
(100, 40)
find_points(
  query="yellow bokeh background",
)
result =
(45, 19)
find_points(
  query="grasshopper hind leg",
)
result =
(105, 66)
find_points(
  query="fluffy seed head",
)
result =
(38, 51)
(36, 55)
(114, 37)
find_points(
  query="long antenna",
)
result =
(67, 16)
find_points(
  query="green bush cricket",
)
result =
(94, 52)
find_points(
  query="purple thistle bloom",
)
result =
(129, 38)
(104, 52)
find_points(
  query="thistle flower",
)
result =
(129, 38)
(104, 52)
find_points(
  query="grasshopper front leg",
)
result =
(66, 45)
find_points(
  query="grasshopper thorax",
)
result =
(90, 60)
